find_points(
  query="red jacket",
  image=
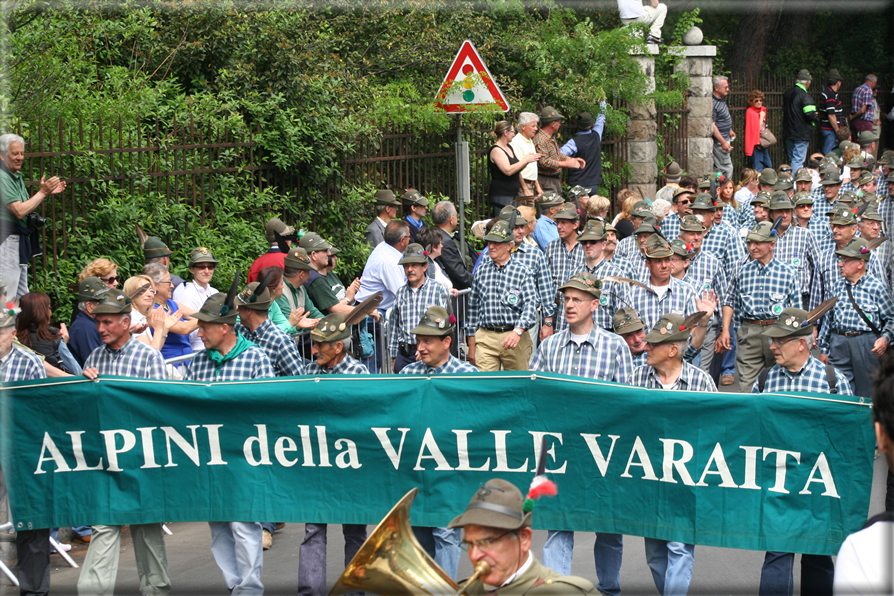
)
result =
(270, 259)
(753, 128)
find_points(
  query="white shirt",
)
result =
(522, 147)
(630, 9)
(137, 318)
(382, 273)
(866, 561)
(512, 578)
(191, 295)
(439, 276)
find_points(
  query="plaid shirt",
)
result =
(134, 359)
(533, 257)
(881, 188)
(886, 210)
(250, 364)
(863, 97)
(760, 293)
(810, 379)
(20, 365)
(409, 306)
(722, 242)
(550, 156)
(872, 297)
(602, 355)
(640, 359)
(452, 366)
(679, 299)
(731, 217)
(691, 379)
(669, 226)
(348, 366)
(799, 248)
(822, 234)
(562, 262)
(828, 274)
(280, 348)
(627, 247)
(502, 296)
(706, 273)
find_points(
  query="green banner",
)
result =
(788, 473)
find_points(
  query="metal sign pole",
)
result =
(463, 190)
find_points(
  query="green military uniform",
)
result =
(538, 580)
(292, 297)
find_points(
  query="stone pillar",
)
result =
(697, 63)
(641, 148)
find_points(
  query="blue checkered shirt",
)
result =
(723, 242)
(679, 299)
(134, 359)
(731, 217)
(535, 260)
(746, 217)
(828, 274)
(562, 262)
(626, 248)
(691, 379)
(250, 364)
(872, 297)
(20, 365)
(502, 296)
(810, 379)
(603, 315)
(603, 355)
(281, 349)
(886, 210)
(640, 359)
(760, 293)
(705, 273)
(670, 225)
(348, 366)
(638, 269)
(881, 184)
(409, 306)
(452, 366)
(822, 234)
(848, 186)
(799, 248)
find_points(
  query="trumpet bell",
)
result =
(392, 562)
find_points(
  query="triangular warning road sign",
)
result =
(469, 83)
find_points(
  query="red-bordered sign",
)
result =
(469, 83)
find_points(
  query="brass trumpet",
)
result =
(392, 562)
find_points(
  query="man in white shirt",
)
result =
(523, 144)
(633, 11)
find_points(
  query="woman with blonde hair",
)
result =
(150, 326)
(104, 269)
(623, 222)
(598, 207)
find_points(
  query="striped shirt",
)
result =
(550, 155)
(627, 247)
(20, 365)
(761, 292)
(874, 300)
(502, 296)
(706, 273)
(799, 248)
(133, 359)
(679, 298)
(452, 366)
(602, 355)
(281, 349)
(533, 257)
(691, 379)
(828, 274)
(722, 242)
(409, 306)
(250, 364)
(603, 315)
(348, 366)
(810, 379)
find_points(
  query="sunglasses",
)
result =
(110, 280)
(210, 266)
(590, 242)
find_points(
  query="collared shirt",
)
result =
(721, 241)
(863, 97)
(761, 292)
(607, 301)
(691, 379)
(822, 234)
(705, 273)
(348, 366)
(452, 366)
(640, 359)
(545, 231)
(829, 105)
(250, 364)
(730, 215)
(670, 226)
(20, 365)
(679, 298)
(524, 146)
(535, 260)
(280, 348)
(192, 295)
(12, 190)
(810, 379)
(409, 306)
(133, 359)
(563, 262)
(828, 274)
(503, 296)
(602, 356)
(550, 156)
(627, 247)
(799, 248)
(382, 272)
(874, 300)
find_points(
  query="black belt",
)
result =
(408, 350)
(502, 329)
(548, 175)
(762, 323)
(849, 333)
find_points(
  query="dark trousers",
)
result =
(817, 572)
(401, 361)
(889, 496)
(33, 551)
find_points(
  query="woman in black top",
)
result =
(33, 328)
(505, 167)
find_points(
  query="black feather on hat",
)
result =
(774, 231)
(281, 242)
(229, 302)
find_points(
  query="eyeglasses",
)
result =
(684, 202)
(204, 266)
(590, 242)
(483, 544)
(110, 280)
(778, 341)
(167, 281)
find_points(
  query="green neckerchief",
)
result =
(242, 344)
(801, 86)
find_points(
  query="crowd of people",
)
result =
(710, 283)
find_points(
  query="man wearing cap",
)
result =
(83, 336)
(587, 145)
(631, 244)
(722, 127)
(412, 301)
(551, 159)
(629, 326)
(565, 255)
(672, 173)
(593, 240)
(546, 230)
(386, 210)
(237, 546)
(32, 546)
(862, 109)
(830, 111)
(502, 306)
(856, 166)
(758, 292)
(418, 207)
(331, 344)
(253, 304)
(123, 355)
(156, 251)
(523, 144)
(681, 199)
(881, 181)
(795, 370)
(584, 349)
(798, 119)
(795, 246)
(634, 266)
(497, 531)
(803, 218)
(192, 294)
(273, 257)
(861, 324)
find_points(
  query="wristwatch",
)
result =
(518, 331)
(547, 323)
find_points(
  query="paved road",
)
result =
(718, 571)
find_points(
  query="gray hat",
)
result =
(500, 233)
(649, 225)
(497, 504)
(887, 157)
(802, 198)
(550, 199)
(594, 230)
(298, 259)
(313, 242)
(251, 298)
(506, 215)
(866, 138)
(673, 171)
(216, 310)
(330, 328)
(568, 211)
(804, 75)
(761, 198)
(578, 192)
(704, 202)
(275, 226)
(92, 288)
(768, 176)
(803, 175)
(834, 75)
(832, 178)
(415, 253)
(201, 255)
(7, 318)
(762, 232)
(549, 114)
(413, 198)
(585, 282)
(682, 249)
(791, 323)
(657, 247)
(692, 223)
(154, 247)
(386, 197)
(780, 201)
(435, 321)
(669, 328)
(117, 304)
(856, 249)
(842, 216)
(626, 320)
(865, 177)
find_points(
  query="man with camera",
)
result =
(19, 222)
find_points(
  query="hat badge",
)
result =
(202, 250)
